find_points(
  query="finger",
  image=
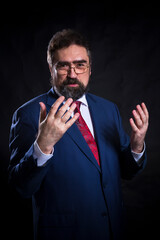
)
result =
(141, 114)
(133, 125)
(55, 106)
(145, 110)
(137, 118)
(68, 114)
(72, 120)
(64, 108)
(43, 112)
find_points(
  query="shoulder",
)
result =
(47, 98)
(100, 104)
(30, 110)
(31, 104)
(100, 100)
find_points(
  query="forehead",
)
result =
(72, 53)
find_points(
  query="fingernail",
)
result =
(74, 105)
(70, 100)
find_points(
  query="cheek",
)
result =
(84, 79)
(59, 79)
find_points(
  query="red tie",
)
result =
(86, 133)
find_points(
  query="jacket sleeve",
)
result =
(24, 174)
(129, 167)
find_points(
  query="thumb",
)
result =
(43, 112)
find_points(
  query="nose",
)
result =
(72, 73)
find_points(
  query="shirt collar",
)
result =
(83, 100)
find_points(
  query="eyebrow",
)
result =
(80, 61)
(76, 61)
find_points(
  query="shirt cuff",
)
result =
(137, 156)
(41, 157)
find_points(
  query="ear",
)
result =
(50, 68)
(90, 71)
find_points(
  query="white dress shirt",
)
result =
(42, 158)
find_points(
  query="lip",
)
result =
(73, 85)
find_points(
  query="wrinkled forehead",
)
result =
(71, 54)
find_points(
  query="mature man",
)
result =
(69, 150)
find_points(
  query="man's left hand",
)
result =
(139, 127)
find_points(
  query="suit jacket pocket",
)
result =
(57, 220)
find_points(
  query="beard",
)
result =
(71, 92)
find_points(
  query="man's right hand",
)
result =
(53, 126)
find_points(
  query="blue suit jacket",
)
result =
(73, 198)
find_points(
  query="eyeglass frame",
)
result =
(70, 67)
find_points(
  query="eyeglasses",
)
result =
(79, 67)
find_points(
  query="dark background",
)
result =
(125, 41)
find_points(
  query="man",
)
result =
(69, 150)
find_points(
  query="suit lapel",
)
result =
(77, 137)
(51, 98)
(97, 116)
(104, 134)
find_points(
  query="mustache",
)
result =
(71, 81)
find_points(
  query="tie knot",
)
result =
(78, 104)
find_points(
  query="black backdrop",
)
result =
(125, 42)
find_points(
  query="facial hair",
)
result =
(71, 92)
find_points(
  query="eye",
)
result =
(61, 65)
(81, 65)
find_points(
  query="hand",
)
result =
(139, 127)
(53, 126)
